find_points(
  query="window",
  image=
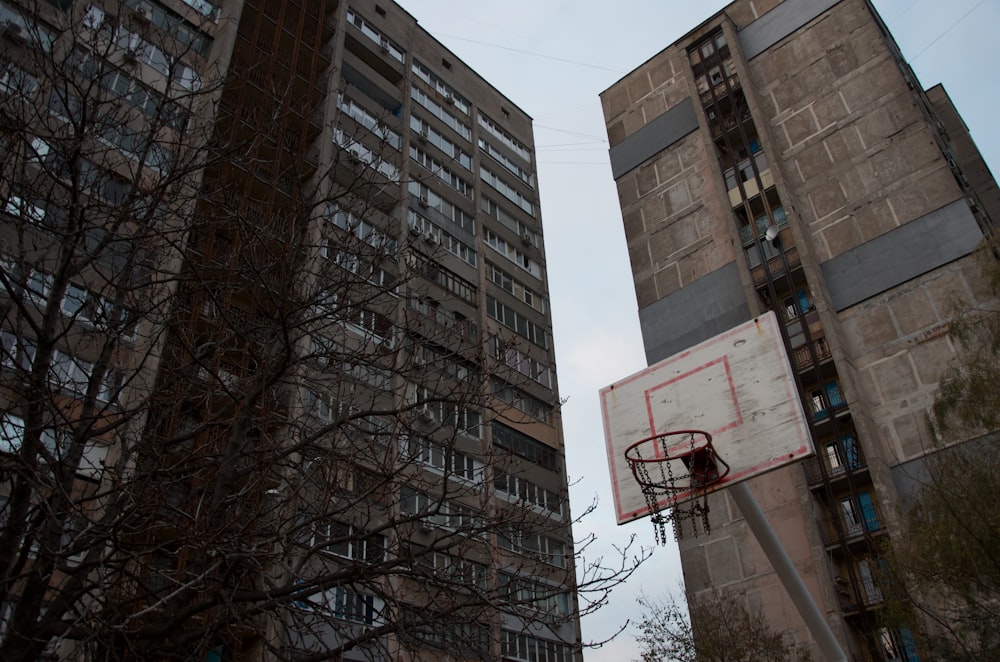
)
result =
(427, 133)
(516, 487)
(520, 361)
(504, 137)
(450, 95)
(368, 120)
(523, 647)
(385, 45)
(859, 514)
(516, 321)
(502, 246)
(523, 174)
(444, 459)
(438, 111)
(843, 454)
(349, 542)
(820, 398)
(346, 604)
(507, 190)
(515, 287)
(435, 511)
(521, 444)
(439, 170)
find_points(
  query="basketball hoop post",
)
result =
(787, 573)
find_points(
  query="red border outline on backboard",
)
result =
(791, 395)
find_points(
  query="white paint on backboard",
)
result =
(737, 386)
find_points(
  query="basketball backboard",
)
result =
(737, 386)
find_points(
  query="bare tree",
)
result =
(710, 629)
(242, 415)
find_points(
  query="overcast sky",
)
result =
(553, 58)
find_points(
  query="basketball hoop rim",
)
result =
(668, 456)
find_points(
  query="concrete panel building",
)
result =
(328, 188)
(801, 117)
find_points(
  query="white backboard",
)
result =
(737, 386)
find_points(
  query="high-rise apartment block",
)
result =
(782, 156)
(278, 374)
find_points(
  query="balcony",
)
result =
(838, 458)
(775, 267)
(859, 518)
(803, 357)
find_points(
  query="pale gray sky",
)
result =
(552, 58)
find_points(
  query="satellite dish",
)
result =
(772, 233)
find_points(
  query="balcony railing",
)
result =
(776, 267)
(803, 357)
(868, 520)
(836, 466)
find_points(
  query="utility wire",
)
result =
(523, 52)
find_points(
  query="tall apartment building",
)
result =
(801, 117)
(278, 373)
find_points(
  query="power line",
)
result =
(533, 54)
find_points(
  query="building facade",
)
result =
(276, 332)
(801, 117)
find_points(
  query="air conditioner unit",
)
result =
(430, 238)
(526, 239)
(424, 414)
(419, 361)
(422, 136)
(144, 13)
(450, 99)
(383, 45)
(424, 201)
(415, 229)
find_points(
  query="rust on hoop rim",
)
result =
(702, 468)
(698, 456)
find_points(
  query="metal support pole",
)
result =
(787, 573)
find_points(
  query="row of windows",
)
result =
(504, 137)
(420, 226)
(518, 257)
(67, 373)
(527, 447)
(137, 49)
(366, 119)
(521, 401)
(442, 277)
(460, 417)
(516, 321)
(174, 25)
(426, 132)
(535, 595)
(439, 170)
(326, 353)
(444, 459)
(449, 93)
(536, 495)
(438, 512)
(386, 45)
(345, 604)
(54, 441)
(510, 284)
(440, 112)
(528, 235)
(522, 173)
(362, 229)
(526, 648)
(360, 152)
(520, 361)
(507, 191)
(534, 545)
(347, 541)
(427, 198)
